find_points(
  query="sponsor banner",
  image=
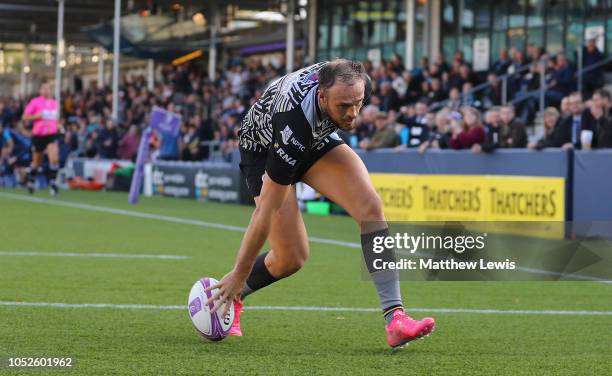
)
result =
(408, 197)
(214, 184)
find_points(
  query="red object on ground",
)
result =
(86, 184)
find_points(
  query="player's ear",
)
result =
(321, 95)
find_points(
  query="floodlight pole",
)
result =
(212, 49)
(117, 25)
(290, 48)
(410, 34)
(101, 69)
(150, 74)
(59, 56)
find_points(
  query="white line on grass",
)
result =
(314, 309)
(95, 254)
(160, 217)
(221, 226)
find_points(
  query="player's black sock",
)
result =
(52, 173)
(259, 278)
(31, 174)
(387, 280)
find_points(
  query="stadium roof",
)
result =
(35, 21)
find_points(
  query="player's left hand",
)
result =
(230, 287)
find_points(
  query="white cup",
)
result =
(586, 138)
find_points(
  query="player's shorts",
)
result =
(254, 164)
(39, 143)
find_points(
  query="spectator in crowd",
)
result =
(561, 82)
(492, 94)
(417, 125)
(512, 132)
(492, 124)
(384, 137)
(128, 145)
(571, 127)
(440, 134)
(468, 133)
(108, 141)
(599, 120)
(388, 97)
(500, 67)
(552, 118)
(366, 122)
(593, 79)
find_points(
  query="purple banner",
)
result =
(165, 122)
(143, 152)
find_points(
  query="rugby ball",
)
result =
(210, 325)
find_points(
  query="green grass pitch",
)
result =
(162, 342)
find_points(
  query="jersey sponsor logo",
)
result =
(287, 139)
(286, 134)
(286, 157)
(297, 144)
(334, 136)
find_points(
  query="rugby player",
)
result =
(287, 136)
(42, 111)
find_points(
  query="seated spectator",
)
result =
(468, 98)
(468, 133)
(366, 122)
(388, 97)
(593, 79)
(598, 119)
(513, 133)
(561, 82)
(417, 125)
(552, 119)
(500, 67)
(492, 95)
(454, 99)
(128, 145)
(436, 94)
(107, 141)
(604, 133)
(384, 137)
(571, 127)
(439, 134)
(492, 123)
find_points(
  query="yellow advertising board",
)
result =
(408, 197)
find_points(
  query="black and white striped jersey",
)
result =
(294, 94)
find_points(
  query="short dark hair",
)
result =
(345, 71)
(602, 93)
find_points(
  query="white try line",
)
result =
(313, 309)
(221, 226)
(166, 218)
(92, 254)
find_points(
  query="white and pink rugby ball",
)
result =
(210, 325)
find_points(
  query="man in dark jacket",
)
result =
(593, 79)
(562, 81)
(571, 127)
(513, 133)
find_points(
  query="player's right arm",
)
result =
(270, 201)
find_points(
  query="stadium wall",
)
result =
(574, 183)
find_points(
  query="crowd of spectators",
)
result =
(431, 106)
